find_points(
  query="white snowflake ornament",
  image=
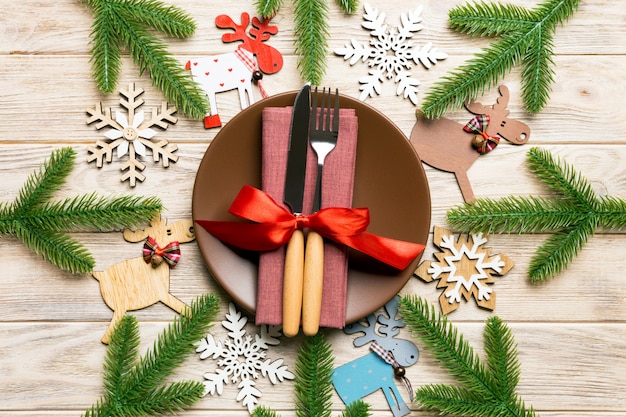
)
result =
(464, 269)
(390, 53)
(130, 135)
(241, 359)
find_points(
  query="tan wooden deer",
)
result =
(143, 281)
(443, 144)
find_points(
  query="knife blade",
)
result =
(293, 196)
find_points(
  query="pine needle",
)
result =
(572, 218)
(43, 225)
(525, 39)
(485, 390)
(130, 24)
(138, 387)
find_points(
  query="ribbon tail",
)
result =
(396, 253)
(249, 236)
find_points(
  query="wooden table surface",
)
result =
(571, 331)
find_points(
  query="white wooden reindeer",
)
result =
(143, 281)
(220, 73)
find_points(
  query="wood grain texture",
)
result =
(570, 331)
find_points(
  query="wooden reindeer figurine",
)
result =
(445, 144)
(143, 281)
(367, 374)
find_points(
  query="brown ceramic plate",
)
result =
(389, 180)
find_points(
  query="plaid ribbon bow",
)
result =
(387, 356)
(170, 253)
(486, 142)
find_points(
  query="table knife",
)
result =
(293, 195)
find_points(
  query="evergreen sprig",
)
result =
(130, 24)
(312, 31)
(525, 38)
(313, 383)
(486, 389)
(137, 386)
(43, 225)
(572, 218)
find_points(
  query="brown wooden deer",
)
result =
(443, 144)
(140, 282)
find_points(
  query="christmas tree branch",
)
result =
(572, 218)
(485, 390)
(311, 30)
(313, 383)
(129, 23)
(525, 38)
(137, 386)
(42, 225)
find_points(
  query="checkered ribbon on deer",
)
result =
(387, 356)
(170, 253)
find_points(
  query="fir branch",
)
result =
(313, 383)
(136, 387)
(572, 218)
(129, 23)
(43, 226)
(485, 390)
(268, 8)
(312, 31)
(348, 6)
(525, 38)
(358, 408)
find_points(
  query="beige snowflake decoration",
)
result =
(464, 269)
(131, 135)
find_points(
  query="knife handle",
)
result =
(313, 283)
(292, 284)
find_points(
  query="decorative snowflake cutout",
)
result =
(464, 268)
(390, 53)
(131, 134)
(241, 359)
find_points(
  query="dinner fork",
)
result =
(323, 132)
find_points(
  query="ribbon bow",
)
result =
(153, 253)
(483, 142)
(274, 225)
(399, 372)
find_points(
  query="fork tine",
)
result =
(336, 114)
(327, 124)
(312, 119)
(320, 125)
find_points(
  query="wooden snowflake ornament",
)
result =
(464, 268)
(242, 359)
(131, 133)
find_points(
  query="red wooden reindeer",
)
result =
(237, 70)
(447, 145)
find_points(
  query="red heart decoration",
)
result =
(243, 80)
(195, 63)
(221, 84)
(215, 60)
(230, 70)
(207, 73)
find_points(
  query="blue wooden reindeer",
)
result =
(367, 374)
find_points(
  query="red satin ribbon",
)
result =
(274, 225)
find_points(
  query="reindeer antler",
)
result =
(369, 331)
(262, 30)
(225, 22)
(390, 326)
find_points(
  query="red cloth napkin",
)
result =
(337, 187)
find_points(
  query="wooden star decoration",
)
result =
(464, 268)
